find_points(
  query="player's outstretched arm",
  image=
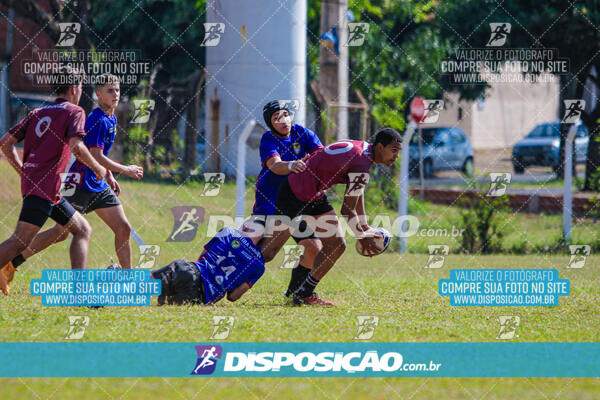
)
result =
(132, 171)
(7, 146)
(280, 167)
(80, 151)
(236, 293)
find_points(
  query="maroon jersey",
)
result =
(46, 151)
(329, 166)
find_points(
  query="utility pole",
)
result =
(343, 67)
(213, 145)
(333, 68)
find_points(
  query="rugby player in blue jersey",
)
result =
(283, 149)
(230, 265)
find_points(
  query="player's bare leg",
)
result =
(116, 220)
(114, 217)
(274, 239)
(15, 245)
(45, 239)
(311, 248)
(78, 251)
(82, 232)
(334, 245)
(42, 240)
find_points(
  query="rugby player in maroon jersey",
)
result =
(303, 194)
(51, 133)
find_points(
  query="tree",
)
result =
(48, 21)
(398, 59)
(167, 32)
(161, 30)
(37, 14)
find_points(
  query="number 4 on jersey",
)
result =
(227, 269)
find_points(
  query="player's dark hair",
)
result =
(105, 79)
(65, 76)
(386, 136)
(271, 108)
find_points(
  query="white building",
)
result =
(261, 56)
(506, 114)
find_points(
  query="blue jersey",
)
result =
(301, 142)
(101, 130)
(230, 260)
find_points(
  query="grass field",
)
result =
(396, 288)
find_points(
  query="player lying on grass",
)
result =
(93, 194)
(303, 194)
(51, 133)
(230, 265)
(282, 150)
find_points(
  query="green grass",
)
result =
(550, 184)
(541, 233)
(298, 388)
(396, 288)
(538, 232)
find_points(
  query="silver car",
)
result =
(541, 147)
(444, 148)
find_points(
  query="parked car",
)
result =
(444, 148)
(541, 147)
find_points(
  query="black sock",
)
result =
(299, 275)
(307, 287)
(18, 260)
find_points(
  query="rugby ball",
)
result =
(382, 238)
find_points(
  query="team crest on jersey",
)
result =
(296, 148)
(235, 244)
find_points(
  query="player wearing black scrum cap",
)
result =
(283, 150)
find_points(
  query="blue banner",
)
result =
(300, 359)
(504, 287)
(95, 287)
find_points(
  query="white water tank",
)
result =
(261, 56)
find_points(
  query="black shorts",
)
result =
(36, 211)
(85, 201)
(181, 283)
(302, 232)
(289, 205)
